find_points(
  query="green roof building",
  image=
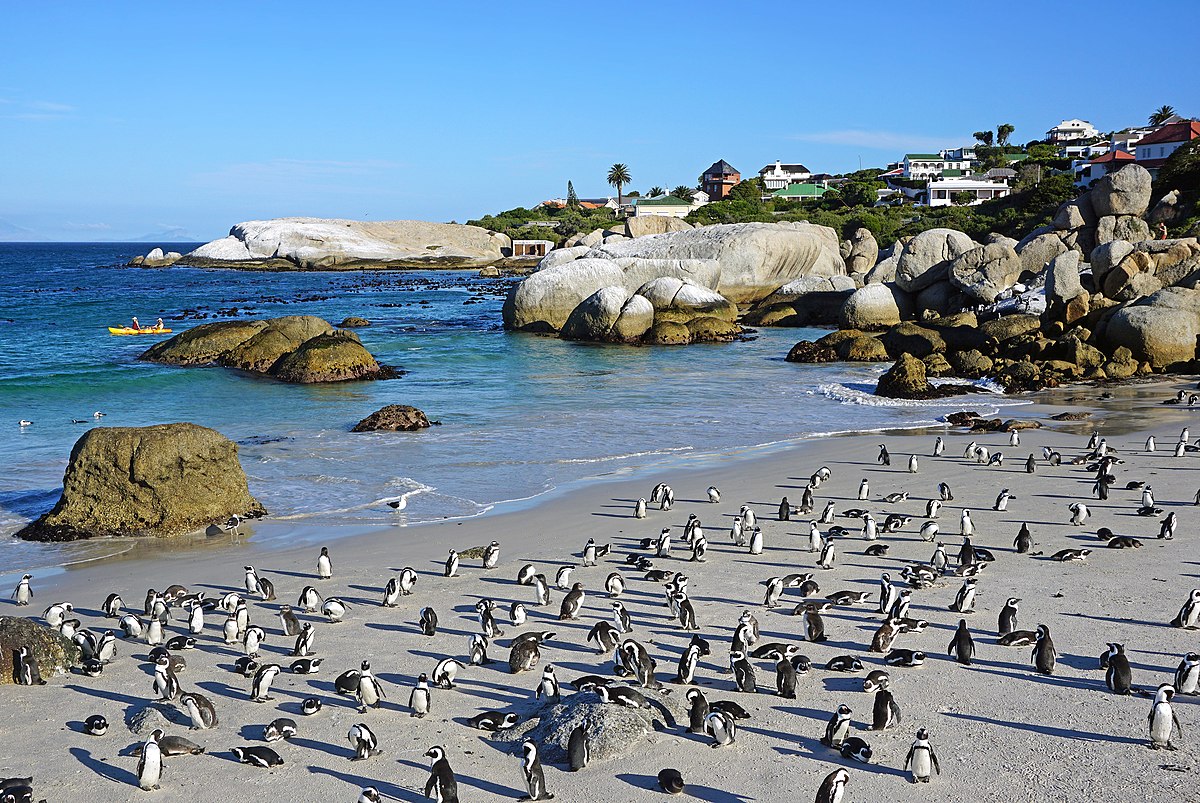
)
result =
(800, 192)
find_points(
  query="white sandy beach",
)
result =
(1001, 731)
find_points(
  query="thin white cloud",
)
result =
(36, 110)
(881, 140)
(50, 106)
(86, 226)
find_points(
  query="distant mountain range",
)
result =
(12, 233)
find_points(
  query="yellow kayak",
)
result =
(128, 330)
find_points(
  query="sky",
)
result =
(124, 120)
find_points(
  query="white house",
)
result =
(665, 206)
(778, 176)
(941, 193)
(1084, 151)
(1071, 131)
(1153, 150)
(925, 166)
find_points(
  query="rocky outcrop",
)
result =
(1125, 192)
(926, 258)
(1161, 329)
(807, 301)
(985, 272)
(295, 348)
(393, 418)
(162, 480)
(907, 379)
(353, 322)
(156, 259)
(596, 317)
(55, 654)
(301, 243)
(645, 225)
(876, 306)
(863, 252)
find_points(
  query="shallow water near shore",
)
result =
(521, 415)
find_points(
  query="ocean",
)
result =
(522, 415)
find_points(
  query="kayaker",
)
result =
(159, 324)
(137, 327)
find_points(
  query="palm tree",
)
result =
(618, 176)
(1003, 132)
(684, 191)
(654, 191)
(985, 137)
(1162, 114)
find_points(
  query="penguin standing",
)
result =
(1189, 615)
(756, 541)
(714, 494)
(814, 624)
(722, 727)
(966, 527)
(743, 672)
(201, 710)
(541, 590)
(1002, 500)
(1119, 677)
(288, 621)
(1024, 540)
(420, 701)
(1162, 719)
(815, 541)
(912, 464)
(23, 593)
(531, 767)
(451, 567)
(428, 621)
(408, 580)
(1187, 675)
(828, 555)
(774, 592)
(442, 785)
(864, 489)
(1044, 655)
(962, 646)
(614, 585)
(445, 672)
(687, 665)
(785, 510)
(885, 713)
(964, 601)
(572, 603)
(838, 727)
(364, 741)
(833, 788)
(932, 508)
(939, 446)
(921, 760)
(671, 781)
(639, 509)
(368, 690)
(548, 687)
(578, 750)
(1008, 617)
(884, 458)
(785, 678)
(27, 671)
(324, 565)
(150, 766)
(698, 711)
(491, 555)
(1014, 438)
(260, 687)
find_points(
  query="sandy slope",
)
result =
(1001, 731)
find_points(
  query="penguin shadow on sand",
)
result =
(807, 747)
(387, 790)
(472, 780)
(1025, 672)
(302, 575)
(707, 793)
(340, 750)
(103, 769)
(1046, 730)
(104, 694)
(1115, 619)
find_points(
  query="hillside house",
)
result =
(1153, 150)
(719, 179)
(1071, 131)
(778, 176)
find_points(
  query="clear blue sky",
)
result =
(124, 119)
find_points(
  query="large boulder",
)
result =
(393, 418)
(1161, 328)
(334, 357)
(864, 251)
(1037, 251)
(1125, 192)
(203, 344)
(914, 339)
(280, 336)
(1124, 227)
(596, 315)
(55, 654)
(1076, 213)
(1107, 256)
(1062, 279)
(542, 301)
(325, 244)
(561, 256)
(876, 306)
(162, 480)
(157, 259)
(807, 301)
(644, 225)
(985, 272)
(680, 301)
(926, 258)
(907, 380)
(884, 270)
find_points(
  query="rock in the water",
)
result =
(55, 654)
(323, 244)
(914, 339)
(985, 272)
(335, 357)
(644, 225)
(1008, 327)
(156, 259)
(1125, 192)
(393, 418)
(595, 316)
(907, 380)
(808, 301)
(970, 364)
(294, 348)
(926, 258)
(681, 301)
(353, 322)
(162, 480)
(876, 306)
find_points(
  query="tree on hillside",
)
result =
(749, 190)
(572, 198)
(860, 193)
(1003, 132)
(985, 137)
(684, 191)
(618, 176)
(1181, 172)
(1162, 114)
(656, 191)
(963, 198)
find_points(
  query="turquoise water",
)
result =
(522, 415)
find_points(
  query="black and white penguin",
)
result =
(901, 657)
(324, 565)
(621, 619)
(364, 741)
(306, 666)
(722, 727)
(95, 725)
(541, 590)
(785, 677)
(1189, 615)
(743, 672)
(451, 567)
(877, 679)
(1119, 677)
(962, 646)
(309, 600)
(428, 621)
(921, 760)
(200, 709)
(1187, 675)
(833, 788)
(1162, 719)
(548, 686)
(1166, 530)
(572, 603)
(1079, 513)
(391, 593)
(445, 672)
(838, 727)
(639, 508)
(166, 684)
(944, 493)
(1008, 617)
(420, 699)
(494, 721)
(442, 786)
(578, 749)
(23, 593)
(260, 688)
(257, 756)
(1024, 540)
(277, 729)
(671, 781)
(369, 689)
(26, 669)
(698, 710)
(523, 655)
(334, 609)
(1044, 655)
(828, 554)
(814, 624)
(491, 555)
(531, 766)
(855, 748)
(310, 706)
(408, 580)
(964, 600)
(347, 682)
(150, 765)
(886, 711)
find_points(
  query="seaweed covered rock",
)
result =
(907, 379)
(162, 480)
(393, 418)
(334, 357)
(54, 653)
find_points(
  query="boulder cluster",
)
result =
(1089, 296)
(296, 348)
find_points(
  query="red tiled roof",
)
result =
(1113, 156)
(590, 205)
(1175, 132)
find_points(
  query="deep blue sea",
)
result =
(521, 415)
